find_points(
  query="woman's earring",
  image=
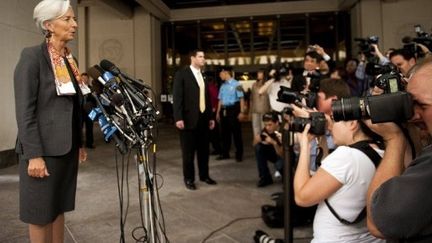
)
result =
(48, 34)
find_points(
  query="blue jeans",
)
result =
(264, 153)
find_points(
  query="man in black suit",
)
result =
(194, 119)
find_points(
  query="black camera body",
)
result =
(392, 107)
(271, 135)
(365, 45)
(317, 121)
(387, 77)
(411, 44)
(287, 95)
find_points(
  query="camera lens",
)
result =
(348, 109)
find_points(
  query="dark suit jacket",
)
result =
(186, 98)
(44, 119)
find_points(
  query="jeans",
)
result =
(264, 153)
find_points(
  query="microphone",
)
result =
(118, 101)
(109, 66)
(108, 130)
(133, 93)
(105, 78)
(96, 73)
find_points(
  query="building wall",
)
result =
(391, 20)
(132, 44)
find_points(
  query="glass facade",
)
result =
(252, 43)
(249, 44)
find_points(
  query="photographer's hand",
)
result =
(305, 138)
(300, 112)
(388, 130)
(392, 164)
(310, 190)
(424, 49)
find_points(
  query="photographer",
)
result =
(405, 61)
(280, 76)
(269, 148)
(306, 80)
(339, 186)
(329, 90)
(400, 201)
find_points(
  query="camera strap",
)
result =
(376, 159)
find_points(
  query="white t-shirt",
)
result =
(273, 90)
(354, 170)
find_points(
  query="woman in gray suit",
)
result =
(48, 100)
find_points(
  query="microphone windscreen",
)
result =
(109, 66)
(88, 107)
(97, 87)
(117, 99)
(94, 72)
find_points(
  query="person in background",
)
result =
(48, 103)
(193, 118)
(356, 76)
(259, 104)
(88, 99)
(280, 76)
(269, 148)
(215, 132)
(405, 61)
(231, 104)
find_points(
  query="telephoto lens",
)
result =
(347, 109)
(392, 107)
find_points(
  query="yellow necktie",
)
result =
(202, 94)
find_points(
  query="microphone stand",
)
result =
(288, 147)
(138, 135)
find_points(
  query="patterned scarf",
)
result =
(63, 81)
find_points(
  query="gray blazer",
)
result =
(44, 119)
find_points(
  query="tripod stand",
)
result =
(149, 197)
(288, 146)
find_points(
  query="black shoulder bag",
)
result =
(376, 159)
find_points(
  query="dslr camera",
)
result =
(271, 135)
(393, 107)
(317, 120)
(386, 77)
(287, 95)
(365, 45)
(422, 37)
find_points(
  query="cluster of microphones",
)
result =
(123, 108)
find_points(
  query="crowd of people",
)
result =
(342, 170)
(370, 181)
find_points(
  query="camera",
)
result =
(271, 135)
(411, 44)
(365, 45)
(317, 121)
(392, 107)
(287, 95)
(422, 37)
(387, 77)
